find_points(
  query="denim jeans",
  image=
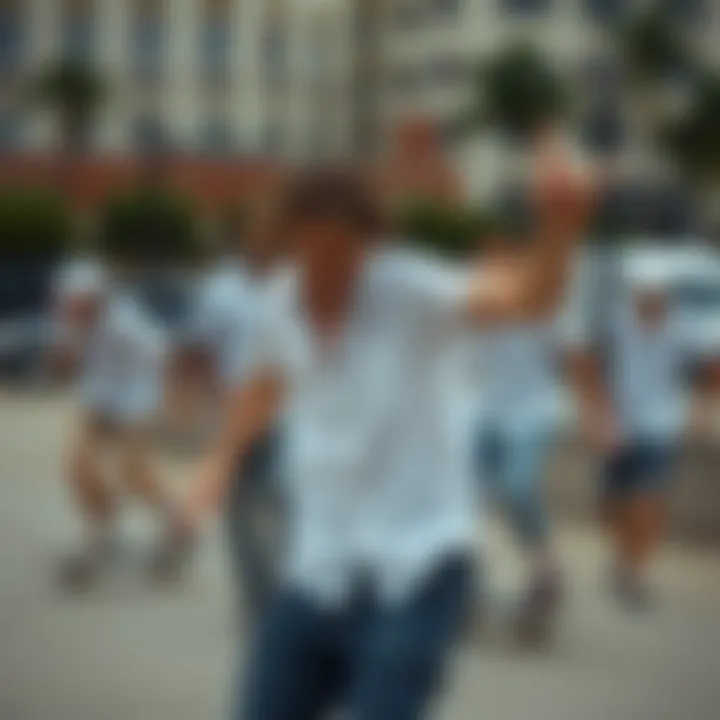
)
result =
(370, 661)
(513, 465)
(254, 523)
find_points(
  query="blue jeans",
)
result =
(514, 465)
(255, 502)
(373, 662)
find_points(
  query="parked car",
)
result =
(24, 322)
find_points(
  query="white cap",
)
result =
(647, 272)
(81, 278)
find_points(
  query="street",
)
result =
(134, 651)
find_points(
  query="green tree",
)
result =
(693, 141)
(655, 53)
(74, 91)
(519, 92)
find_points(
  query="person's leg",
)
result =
(96, 501)
(140, 478)
(640, 520)
(91, 491)
(523, 468)
(138, 473)
(403, 652)
(295, 669)
(253, 521)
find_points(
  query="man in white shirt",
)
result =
(637, 404)
(358, 355)
(121, 355)
(516, 426)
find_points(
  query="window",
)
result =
(274, 53)
(685, 9)
(445, 8)
(606, 10)
(149, 134)
(77, 29)
(604, 131)
(407, 80)
(217, 137)
(215, 42)
(602, 77)
(408, 14)
(148, 35)
(12, 35)
(448, 71)
(526, 7)
(274, 138)
(9, 131)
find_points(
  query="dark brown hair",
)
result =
(333, 194)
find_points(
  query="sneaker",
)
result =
(80, 572)
(171, 556)
(631, 591)
(539, 608)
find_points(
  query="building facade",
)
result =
(297, 79)
(218, 77)
(427, 53)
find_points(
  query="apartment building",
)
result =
(426, 55)
(299, 79)
(220, 77)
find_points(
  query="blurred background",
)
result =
(145, 127)
(144, 130)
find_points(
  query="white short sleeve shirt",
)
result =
(123, 373)
(518, 388)
(376, 444)
(226, 316)
(647, 376)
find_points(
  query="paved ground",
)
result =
(134, 652)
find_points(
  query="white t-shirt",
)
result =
(517, 367)
(124, 363)
(225, 316)
(377, 445)
(646, 367)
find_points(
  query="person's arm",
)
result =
(704, 396)
(251, 412)
(62, 353)
(251, 409)
(533, 285)
(592, 397)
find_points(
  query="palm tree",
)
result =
(693, 141)
(74, 91)
(655, 54)
(519, 93)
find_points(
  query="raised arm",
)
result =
(533, 285)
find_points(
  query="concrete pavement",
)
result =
(131, 651)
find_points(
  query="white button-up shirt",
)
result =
(124, 364)
(376, 441)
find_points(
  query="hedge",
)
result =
(35, 225)
(149, 226)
